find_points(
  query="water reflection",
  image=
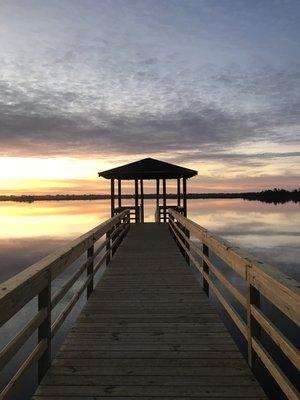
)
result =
(28, 232)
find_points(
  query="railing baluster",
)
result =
(205, 250)
(89, 271)
(44, 330)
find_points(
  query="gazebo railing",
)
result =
(161, 211)
(134, 212)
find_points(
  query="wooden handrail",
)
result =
(260, 278)
(36, 281)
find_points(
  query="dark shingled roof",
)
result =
(148, 168)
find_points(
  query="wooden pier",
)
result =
(148, 331)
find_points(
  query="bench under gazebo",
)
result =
(149, 169)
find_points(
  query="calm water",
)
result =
(30, 231)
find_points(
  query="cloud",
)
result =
(93, 81)
(35, 121)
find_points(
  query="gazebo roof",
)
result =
(148, 168)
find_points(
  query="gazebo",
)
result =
(148, 169)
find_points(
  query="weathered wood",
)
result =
(253, 327)
(136, 199)
(205, 268)
(17, 342)
(149, 330)
(282, 342)
(112, 197)
(178, 193)
(184, 194)
(65, 288)
(235, 292)
(261, 278)
(119, 193)
(20, 289)
(282, 380)
(89, 271)
(160, 391)
(164, 200)
(142, 200)
(35, 355)
(44, 329)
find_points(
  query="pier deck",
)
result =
(148, 331)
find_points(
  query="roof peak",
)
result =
(148, 168)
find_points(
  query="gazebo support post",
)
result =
(187, 233)
(184, 198)
(165, 200)
(142, 200)
(157, 202)
(112, 196)
(119, 193)
(178, 192)
(136, 199)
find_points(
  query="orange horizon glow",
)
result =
(65, 175)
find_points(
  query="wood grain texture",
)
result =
(148, 331)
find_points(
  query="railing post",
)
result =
(44, 330)
(205, 267)
(108, 247)
(187, 246)
(90, 270)
(253, 327)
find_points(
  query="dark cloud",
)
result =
(34, 121)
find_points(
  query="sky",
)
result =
(87, 85)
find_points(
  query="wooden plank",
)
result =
(152, 362)
(108, 370)
(257, 397)
(161, 391)
(144, 380)
(149, 330)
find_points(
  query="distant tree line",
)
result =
(275, 196)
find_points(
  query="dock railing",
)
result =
(161, 216)
(37, 279)
(135, 212)
(262, 281)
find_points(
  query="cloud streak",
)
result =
(197, 82)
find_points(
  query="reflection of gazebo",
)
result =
(147, 169)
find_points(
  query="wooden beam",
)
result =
(119, 193)
(205, 267)
(253, 327)
(178, 192)
(112, 196)
(44, 330)
(165, 200)
(136, 199)
(184, 198)
(90, 269)
(142, 200)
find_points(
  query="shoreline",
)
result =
(276, 196)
